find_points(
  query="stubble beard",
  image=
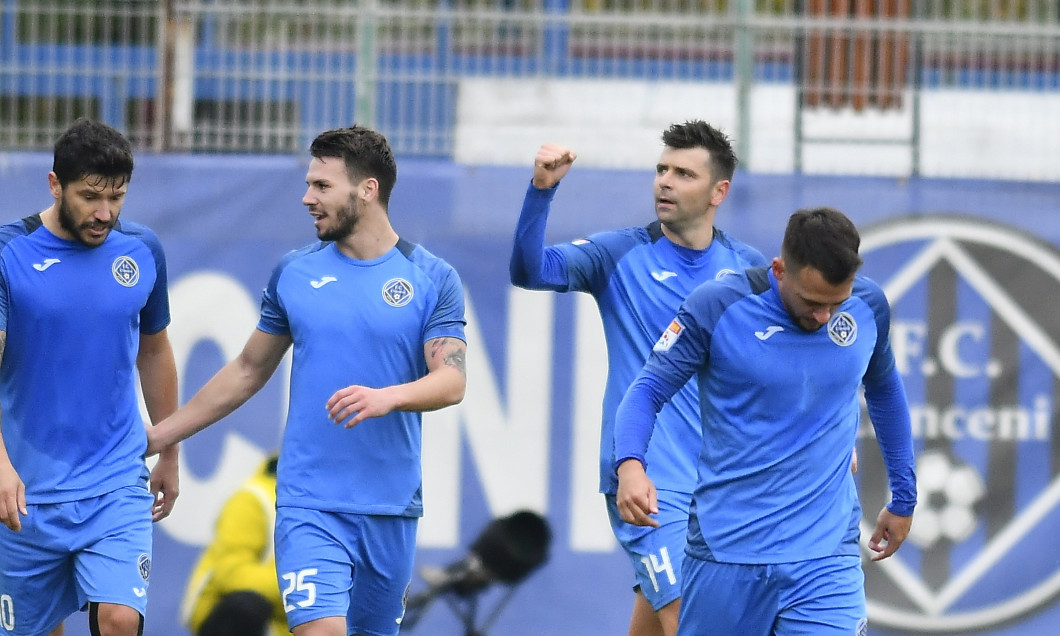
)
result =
(345, 224)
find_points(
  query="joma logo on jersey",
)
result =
(397, 292)
(976, 341)
(125, 271)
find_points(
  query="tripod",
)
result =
(506, 551)
(466, 606)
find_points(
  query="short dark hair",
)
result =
(697, 133)
(826, 240)
(91, 147)
(365, 152)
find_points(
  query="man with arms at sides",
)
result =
(84, 308)
(377, 325)
(639, 276)
(779, 354)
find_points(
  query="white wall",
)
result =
(617, 123)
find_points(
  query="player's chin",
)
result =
(94, 238)
(665, 211)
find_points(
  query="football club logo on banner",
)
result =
(977, 342)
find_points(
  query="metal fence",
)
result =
(264, 76)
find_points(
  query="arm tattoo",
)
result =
(452, 351)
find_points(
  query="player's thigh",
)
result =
(313, 565)
(727, 599)
(655, 553)
(113, 564)
(355, 566)
(382, 572)
(37, 589)
(824, 597)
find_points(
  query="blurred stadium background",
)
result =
(934, 123)
(917, 87)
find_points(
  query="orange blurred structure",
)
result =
(852, 66)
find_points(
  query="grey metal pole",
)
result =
(367, 61)
(744, 78)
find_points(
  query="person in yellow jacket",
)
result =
(233, 590)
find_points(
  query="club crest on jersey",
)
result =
(397, 292)
(125, 271)
(842, 329)
(144, 565)
(669, 337)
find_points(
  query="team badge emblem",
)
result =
(125, 271)
(404, 604)
(862, 628)
(842, 329)
(397, 292)
(144, 565)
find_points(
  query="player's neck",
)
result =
(696, 235)
(369, 240)
(50, 219)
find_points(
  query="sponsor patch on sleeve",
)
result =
(669, 337)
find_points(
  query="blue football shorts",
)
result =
(69, 554)
(656, 553)
(344, 564)
(818, 597)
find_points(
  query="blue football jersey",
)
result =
(639, 279)
(364, 323)
(780, 412)
(73, 316)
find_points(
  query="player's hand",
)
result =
(891, 531)
(356, 403)
(165, 485)
(12, 497)
(551, 164)
(636, 499)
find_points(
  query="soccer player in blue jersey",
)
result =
(83, 314)
(779, 354)
(639, 276)
(377, 325)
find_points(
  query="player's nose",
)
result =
(822, 315)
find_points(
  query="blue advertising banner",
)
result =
(972, 270)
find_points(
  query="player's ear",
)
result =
(368, 189)
(719, 192)
(54, 186)
(778, 268)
